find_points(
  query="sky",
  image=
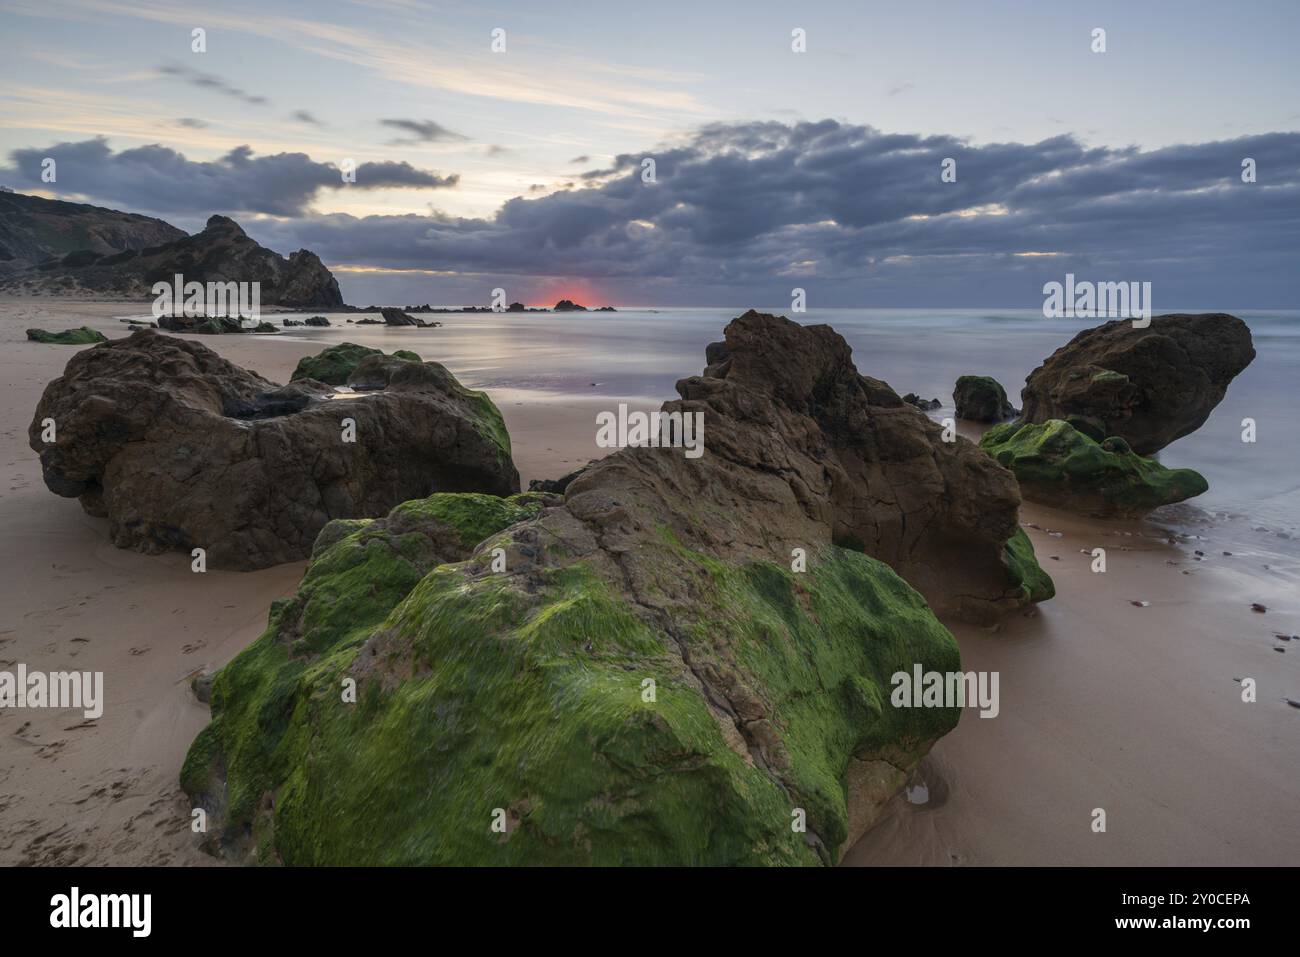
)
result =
(524, 168)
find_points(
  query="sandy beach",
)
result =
(1134, 709)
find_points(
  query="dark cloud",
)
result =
(739, 212)
(302, 116)
(852, 209)
(422, 131)
(191, 124)
(581, 159)
(208, 81)
(159, 180)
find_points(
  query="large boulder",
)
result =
(1060, 466)
(795, 435)
(981, 398)
(180, 448)
(1148, 386)
(673, 664)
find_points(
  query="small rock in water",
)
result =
(1280, 651)
(1256, 606)
(1276, 634)
(1293, 703)
(1140, 604)
(1229, 554)
(1198, 552)
(1055, 558)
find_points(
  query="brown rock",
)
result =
(180, 448)
(1148, 386)
(801, 450)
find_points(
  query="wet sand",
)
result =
(1103, 704)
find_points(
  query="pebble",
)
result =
(1257, 607)
(1140, 604)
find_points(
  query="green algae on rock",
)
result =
(1018, 557)
(549, 700)
(981, 398)
(82, 336)
(333, 365)
(1058, 465)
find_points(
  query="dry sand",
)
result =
(1103, 704)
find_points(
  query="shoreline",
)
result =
(1104, 704)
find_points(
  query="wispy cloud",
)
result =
(421, 131)
(209, 81)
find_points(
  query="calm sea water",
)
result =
(638, 354)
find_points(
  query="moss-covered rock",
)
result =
(1018, 557)
(981, 398)
(1058, 465)
(82, 336)
(593, 728)
(333, 365)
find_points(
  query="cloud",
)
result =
(208, 81)
(742, 210)
(160, 180)
(581, 159)
(191, 124)
(747, 206)
(302, 116)
(422, 131)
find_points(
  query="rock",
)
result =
(395, 317)
(333, 365)
(290, 323)
(1257, 607)
(562, 699)
(180, 448)
(643, 672)
(925, 405)
(1060, 466)
(82, 336)
(201, 685)
(556, 485)
(316, 321)
(568, 305)
(516, 307)
(1147, 386)
(980, 398)
(205, 325)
